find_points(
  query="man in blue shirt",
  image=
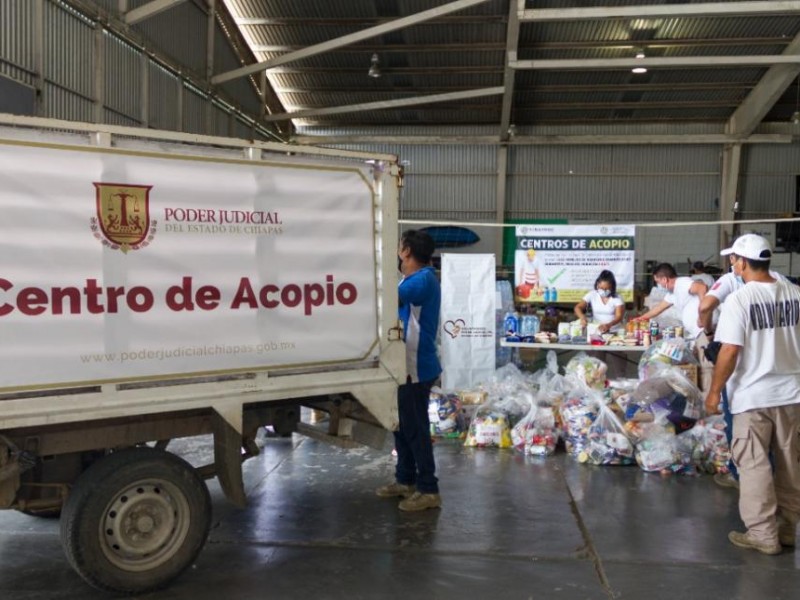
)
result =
(420, 299)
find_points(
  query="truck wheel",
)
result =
(135, 520)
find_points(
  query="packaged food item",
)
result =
(665, 352)
(489, 429)
(588, 369)
(445, 415)
(576, 329)
(578, 412)
(536, 434)
(607, 442)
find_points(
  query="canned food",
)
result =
(678, 331)
(653, 328)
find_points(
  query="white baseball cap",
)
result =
(750, 246)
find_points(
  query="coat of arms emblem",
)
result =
(123, 215)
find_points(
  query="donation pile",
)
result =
(655, 421)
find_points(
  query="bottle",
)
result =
(547, 295)
(511, 326)
(529, 327)
(553, 294)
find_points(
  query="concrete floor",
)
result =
(511, 528)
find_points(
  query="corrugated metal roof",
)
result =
(466, 50)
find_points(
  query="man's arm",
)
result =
(699, 289)
(723, 369)
(708, 304)
(655, 311)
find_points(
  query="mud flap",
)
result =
(228, 457)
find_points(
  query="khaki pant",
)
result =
(762, 495)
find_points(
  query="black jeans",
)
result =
(415, 464)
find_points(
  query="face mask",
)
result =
(604, 293)
(399, 264)
(660, 286)
(739, 280)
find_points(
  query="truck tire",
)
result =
(135, 520)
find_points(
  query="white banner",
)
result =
(467, 320)
(121, 265)
(560, 263)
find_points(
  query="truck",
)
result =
(159, 285)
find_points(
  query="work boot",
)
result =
(743, 540)
(394, 490)
(726, 480)
(421, 501)
(786, 531)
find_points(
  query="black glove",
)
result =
(712, 351)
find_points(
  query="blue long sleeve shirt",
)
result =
(420, 300)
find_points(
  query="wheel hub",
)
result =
(143, 525)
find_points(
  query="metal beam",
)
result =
(211, 26)
(706, 9)
(348, 21)
(766, 93)
(150, 9)
(538, 46)
(531, 89)
(99, 91)
(545, 140)
(334, 110)
(500, 197)
(352, 38)
(657, 62)
(515, 8)
(731, 163)
(186, 138)
(38, 55)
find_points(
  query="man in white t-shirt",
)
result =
(698, 273)
(760, 361)
(685, 294)
(716, 295)
(722, 288)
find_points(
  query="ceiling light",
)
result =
(374, 67)
(639, 70)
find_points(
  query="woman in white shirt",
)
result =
(607, 308)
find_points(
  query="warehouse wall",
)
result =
(161, 87)
(637, 184)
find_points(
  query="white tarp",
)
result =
(467, 320)
(119, 265)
